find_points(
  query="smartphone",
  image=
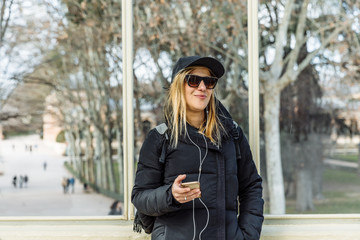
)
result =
(191, 185)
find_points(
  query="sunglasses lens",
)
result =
(194, 81)
(210, 82)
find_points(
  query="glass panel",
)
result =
(310, 106)
(64, 91)
(61, 109)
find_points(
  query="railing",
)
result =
(284, 227)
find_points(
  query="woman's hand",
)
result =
(183, 195)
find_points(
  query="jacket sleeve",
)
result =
(149, 195)
(250, 192)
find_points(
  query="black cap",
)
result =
(214, 65)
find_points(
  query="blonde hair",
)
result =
(175, 112)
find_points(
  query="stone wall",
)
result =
(285, 227)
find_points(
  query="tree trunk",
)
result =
(309, 172)
(304, 196)
(318, 167)
(99, 158)
(89, 156)
(71, 149)
(272, 146)
(78, 159)
(107, 139)
(109, 163)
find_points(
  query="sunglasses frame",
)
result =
(202, 79)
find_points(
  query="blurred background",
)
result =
(61, 96)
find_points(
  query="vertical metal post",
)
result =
(253, 68)
(128, 111)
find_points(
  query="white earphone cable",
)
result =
(200, 169)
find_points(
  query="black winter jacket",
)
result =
(226, 183)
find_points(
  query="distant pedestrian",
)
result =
(64, 184)
(86, 187)
(45, 165)
(67, 184)
(72, 184)
(14, 181)
(26, 179)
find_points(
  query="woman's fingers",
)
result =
(195, 193)
(178, 192)
(183, 195)
(191, 195)
(179, 179)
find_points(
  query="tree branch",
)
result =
(291, 74)
(281, 34)
(299, 36)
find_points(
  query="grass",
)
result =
(338, 176)
(348, 157)
(341, 194)
(10, 134)
(330, 206)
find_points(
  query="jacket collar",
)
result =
(225, 119)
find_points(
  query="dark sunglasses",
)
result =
(194, 81)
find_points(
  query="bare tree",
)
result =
(5, 14)
(284, 70)
(20, 33)
(81, 71)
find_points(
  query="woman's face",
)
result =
(197, 98)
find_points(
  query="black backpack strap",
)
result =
(162, 129)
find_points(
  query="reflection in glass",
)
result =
(309, 112)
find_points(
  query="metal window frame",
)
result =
(253, 71)
(128, 111)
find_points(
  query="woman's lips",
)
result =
(201, 96)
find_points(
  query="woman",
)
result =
(202, 146)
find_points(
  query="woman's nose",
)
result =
(202, 86)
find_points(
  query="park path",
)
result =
(341, 163)
(43, 195)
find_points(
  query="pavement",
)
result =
(341, 163)
(43, 195)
